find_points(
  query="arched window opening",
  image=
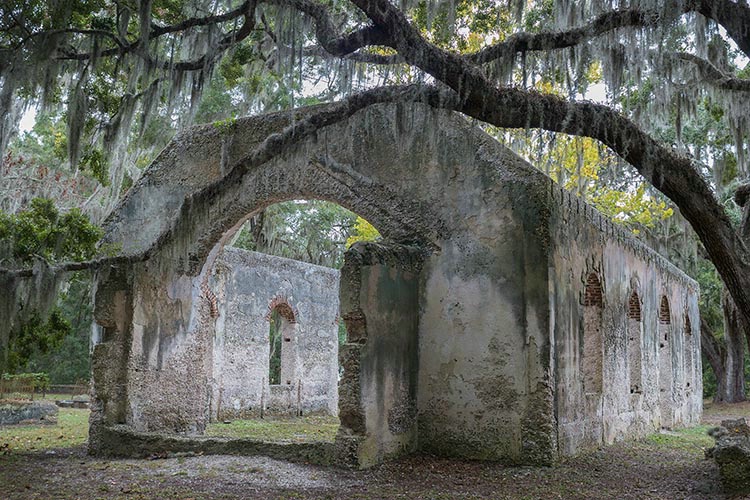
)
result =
(665, 362)
(593, 301)
(688, 350)
(593, 295)
(635, 335)
(665, 316)
(281, 357)
(634, 307)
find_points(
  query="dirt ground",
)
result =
(662, 466)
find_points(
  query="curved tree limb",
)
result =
(528, 42)
(714, 75)
(328, 35)
(67, 267)
(517, 43)
(733, 16)
(157, 31)
(668, 170)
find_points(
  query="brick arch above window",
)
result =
(665, 315)
(281, 304)
(634, 306)
(593, 293)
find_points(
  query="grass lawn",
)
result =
(694, 440)
(72, 430)
(283, 430)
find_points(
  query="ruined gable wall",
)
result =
(583, 241)
(420, 176)
(247, 285)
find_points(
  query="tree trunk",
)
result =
(735, 332)
(715, 354)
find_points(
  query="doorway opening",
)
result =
(276, 343)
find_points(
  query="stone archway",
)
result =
(465, 221)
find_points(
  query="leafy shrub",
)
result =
(39, 381)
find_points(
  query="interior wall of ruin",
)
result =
(248, 286)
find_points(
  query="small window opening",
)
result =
(274, 359)
(593, 301)
(634, 343)
(634, 307)
(688, 349)
(593, 294)
(665, 316)
(282, 323)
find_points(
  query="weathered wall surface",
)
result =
(583, 242)
(169, 367)
(248, 285)
(483, 385)
(380, 305)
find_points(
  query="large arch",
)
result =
(466, 225)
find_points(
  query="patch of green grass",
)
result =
(72, 429)
(50, 396)
(283, 430)
(694, 439)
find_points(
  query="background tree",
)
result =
(675, 112)
(32, 323)
(311, 231)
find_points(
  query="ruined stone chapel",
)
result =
(500, 318)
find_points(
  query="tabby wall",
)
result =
(624, 323)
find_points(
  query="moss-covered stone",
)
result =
(732, 455)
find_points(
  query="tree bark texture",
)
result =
(735, 332)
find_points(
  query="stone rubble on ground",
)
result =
(732, 455)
